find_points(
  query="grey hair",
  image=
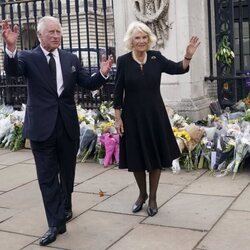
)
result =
(44, 20)
(138, 26)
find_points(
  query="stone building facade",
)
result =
(188, 94)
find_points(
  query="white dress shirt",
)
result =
(59, 76)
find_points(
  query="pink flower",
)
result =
(111, 144)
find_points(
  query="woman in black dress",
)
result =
(147, 141)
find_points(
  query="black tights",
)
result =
(154, 177)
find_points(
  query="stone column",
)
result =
(187, 94)
(123, 15)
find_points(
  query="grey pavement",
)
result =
(197, 211)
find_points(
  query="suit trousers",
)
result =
(55, 160)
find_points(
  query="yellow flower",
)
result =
(175, 129)
(80, 118)
(106, 126)
(181, 134)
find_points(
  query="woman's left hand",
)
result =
(192, 46)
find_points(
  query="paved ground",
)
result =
(197, 211)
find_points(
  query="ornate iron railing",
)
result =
(229, 17)
(88, 31)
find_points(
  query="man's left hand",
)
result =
(106, 64)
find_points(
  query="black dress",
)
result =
(148, 142)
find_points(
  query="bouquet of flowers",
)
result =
(193, 145)
(111, 145)
(247, 101)
(224, 53)
(241, 149)
(224, 151)
(87, 144)
(247, 115)
(206, 147)
(105, 112)
(178, 121)
(11, 126)
(86, 116)
(99, 152)
(182, 137)
(241, 144)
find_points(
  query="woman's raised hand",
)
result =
(192, 46)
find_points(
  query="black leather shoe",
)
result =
(51, 235)
(152, 211)
(68, 215)
(136, 208)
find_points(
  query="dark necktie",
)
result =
(52, 67)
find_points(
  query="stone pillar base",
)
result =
(195, 108)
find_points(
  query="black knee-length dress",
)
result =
(148, 142)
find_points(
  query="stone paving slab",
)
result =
(149, 237)
(37, 247)
(29, 222)
(4, 151)
(230, 233)
(199, 212)
(182, 178)
(6, 213)
(10, 241)
(23, 197)
(96, 231)
(3, 166)
(243, 201)
(31, 161)
(87, 170)
(110, 182)
(29, 218)
(11, 158)
(224, 186)
(16, 175)
(123, 201)
(194, 208)
(81, 202)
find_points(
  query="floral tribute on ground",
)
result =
(220, 143)
(11, 124)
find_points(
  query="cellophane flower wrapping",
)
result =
(11, 124)
(108, 140)
(242, 146)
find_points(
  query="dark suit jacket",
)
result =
(43, 103)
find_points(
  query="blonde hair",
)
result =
(138, 26)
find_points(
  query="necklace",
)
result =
(141, 63)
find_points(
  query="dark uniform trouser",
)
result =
(55, 160)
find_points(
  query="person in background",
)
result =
(147, 143)
(51, 121)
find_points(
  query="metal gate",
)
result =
(231, 19)
(88, 31)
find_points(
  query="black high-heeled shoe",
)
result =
(152, 211)
(136, 208)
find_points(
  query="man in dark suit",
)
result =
(51, 121)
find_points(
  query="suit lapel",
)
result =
(43, 67)
(65, 65)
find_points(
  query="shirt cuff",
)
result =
(105, 77)
(10, 54)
